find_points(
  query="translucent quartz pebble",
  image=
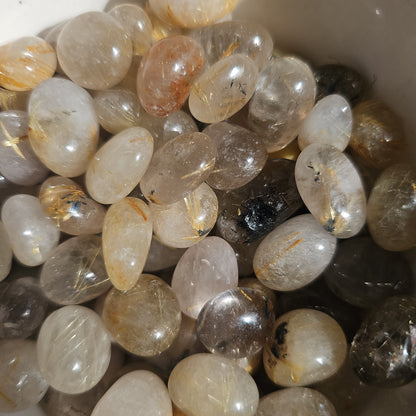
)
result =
(205, 270)
(74, 349)
(227, 38)
(223, 89)
(75, 271)
(241, 155)
(363, 274)
(26, 62)
(22, 382)
(295, 401)
(308, 346)
(167, 72)
(138, 393)
(63, 126)
(119, 165)
(382, 352)
(161, 257)
(253, 283)
(127, 234)
(377, 136)
(331, 188)
(144, 320)
(13, 100)
(329, 122)
(178, 168)
(18, 162)
(6, 253)
(211, 385)
(391, 214)
(137, 24)
(192, 13)
(117, 109)
(89, 56)
(285, 93)
(73, 210)
(294, 254)
(22, 307)
(236, 323)
(252, 211)
(32, 234)
(184, 223)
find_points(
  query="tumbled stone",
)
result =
(294, 254)
(308, 346)
(119, 165)
(23, 385)
(127, 234)
(254, 283)
(167, 72)
(89, 56)
(205, 270)
(6, 253)
(32, 234)
(329, 122)
(241, 155)
(236, 323)
(73, 349)
(391, 214)
(382, 352)
(223, 89)
(26, 62)
(285, 93)
(73, 211)
(178, 168)
(332, 190)
(13, 100)
(18, 162)
(161, 257)
(145, 319)
(63, 126)
(211, 385)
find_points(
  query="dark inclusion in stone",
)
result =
(277, 346)
(383, 352)
(252, 211)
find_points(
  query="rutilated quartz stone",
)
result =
(377, 135)
(184, 223)
(241, 155)
(32, 234)
(161, 28)
(294, 254)
(236, 323)
(89, 55)
(161, 257)
(75, 271)
(145, 319)
(211, 385)
(127, 234)
(167, 72)
(223, 89)
(178, 168)
(332, 190)
(119, 165)
(285, 93)
(205, 270)
(254, 283)
(18, 162)
(74, 212)
(382, 352)
(192, 13)
(13, 100)
(307, 346)
(391, 209)
(63, 126)
(26, 62)
(23, 385)
(6, 253)
(329, 122)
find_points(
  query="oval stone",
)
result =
(6, 253)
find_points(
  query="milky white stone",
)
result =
(329, 122)
(294, 254)
(210, 385)
(74, 349)
(119, 165)
(32, 234)
(6, 253)
(138, 393)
